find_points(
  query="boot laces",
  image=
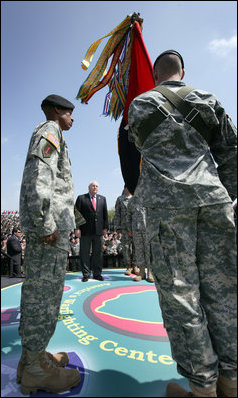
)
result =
(48, 361)
(52, 359)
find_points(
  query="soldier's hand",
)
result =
(77, 233)
(50, 239)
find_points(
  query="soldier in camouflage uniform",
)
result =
(190, 223)
(136, 223)
(74, 259)
(46, 217)
(120, 225)
(111, 253)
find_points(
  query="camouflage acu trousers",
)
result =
(193, 253)
(128, 248)
(142, 249)
(42, 290)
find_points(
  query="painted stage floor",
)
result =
(112, 331)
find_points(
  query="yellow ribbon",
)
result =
(100, 68)
(118, 85)
(90, 53)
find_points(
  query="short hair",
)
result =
(15, 229)
(92, 182)
(48, 110)
(173, 52)
(169, 63)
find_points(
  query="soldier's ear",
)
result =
(183, 74)
(155, 75)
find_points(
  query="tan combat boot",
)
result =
(60, 359)
(203, 391)
(226, 387)
(128, 271)
(142, 275)
(135, 269)
(40, 373)
(150, 277)
(175, 390)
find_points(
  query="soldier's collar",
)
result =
(172, 83)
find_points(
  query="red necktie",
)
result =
(94, 202)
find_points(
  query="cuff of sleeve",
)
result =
(46, 230)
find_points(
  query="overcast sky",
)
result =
(43, 44)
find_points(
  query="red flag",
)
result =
(123, 88)
(141, 70)
(140, 80)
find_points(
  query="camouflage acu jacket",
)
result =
(136, 215)
(179, 169)
(47, 192)
(120, 218)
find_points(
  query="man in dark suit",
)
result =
(93, 208)
(14, 250)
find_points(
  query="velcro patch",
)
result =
(47, 150)
(53, 140)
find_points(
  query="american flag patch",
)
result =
(53, 140)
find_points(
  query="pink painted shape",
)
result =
(141, 327)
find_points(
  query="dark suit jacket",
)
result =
(95, 221)
(14, 249)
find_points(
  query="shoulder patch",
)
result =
(47, 150)
(53, 140)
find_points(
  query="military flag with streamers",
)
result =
(130, 73)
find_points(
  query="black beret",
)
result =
(58, 101)
(170, 52)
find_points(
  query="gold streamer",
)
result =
(90, 53)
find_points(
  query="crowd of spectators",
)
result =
(112, 249)
(74, 251)
(8, 223)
